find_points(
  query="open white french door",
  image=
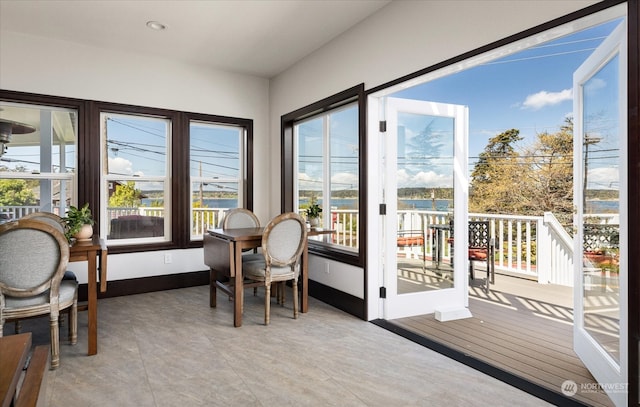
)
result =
(601, 250)
(424, 147)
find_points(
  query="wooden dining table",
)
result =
(94, 252)
(223, 250)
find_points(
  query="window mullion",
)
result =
(326, 165)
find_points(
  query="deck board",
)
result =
(525, 330)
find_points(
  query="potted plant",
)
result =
(313, 214)
(79, 223)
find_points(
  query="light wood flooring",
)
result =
(522, 328)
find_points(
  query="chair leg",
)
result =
(488, 279)
(282, 287)
(295, 298)
(18, 326)
(493, 268)
(267, 302)
(73, 322)
(55, 341)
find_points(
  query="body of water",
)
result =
(602, 207)
(417, 204)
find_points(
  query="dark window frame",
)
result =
(247, 170)
(89, 167)
(288, 121)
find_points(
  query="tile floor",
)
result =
(170, 349)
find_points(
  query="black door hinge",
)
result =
(383, 209)
(383, 126)
(383, 292)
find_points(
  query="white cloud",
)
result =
(344, 180)
(604, 178)
(305, 181)
(424, 179)
(543, 98)
(122, 166)
(595, 84)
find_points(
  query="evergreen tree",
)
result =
(496, 175)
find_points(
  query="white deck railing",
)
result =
(535, 247)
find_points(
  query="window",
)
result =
(216, 167)
(324, 166)
(136, 178)
(37, 159)
(133, 165)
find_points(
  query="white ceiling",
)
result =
(257, 37)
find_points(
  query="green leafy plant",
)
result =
(76, 218)
(313, 211)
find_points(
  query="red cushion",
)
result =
(410, 241)
(477, 254)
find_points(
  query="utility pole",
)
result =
(201, 192)
(588, 140)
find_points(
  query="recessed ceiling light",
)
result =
(155, 25)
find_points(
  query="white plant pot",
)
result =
(85, 233)
(314, 222)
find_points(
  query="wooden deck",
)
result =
(520, 327)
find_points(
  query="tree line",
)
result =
(536, 180)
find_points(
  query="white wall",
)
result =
(402, 38)
(40, 65)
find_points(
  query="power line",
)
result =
(539, 56)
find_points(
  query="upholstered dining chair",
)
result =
(283, 241)
(239, 218)
(57, 222)
(33, 258)
(48, 217)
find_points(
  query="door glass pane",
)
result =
(425, 202)
(601, 220)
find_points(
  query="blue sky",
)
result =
(529, 91)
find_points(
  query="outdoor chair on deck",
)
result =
(283, 241)
(481, 248)
(409, 239)
(33, 258)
